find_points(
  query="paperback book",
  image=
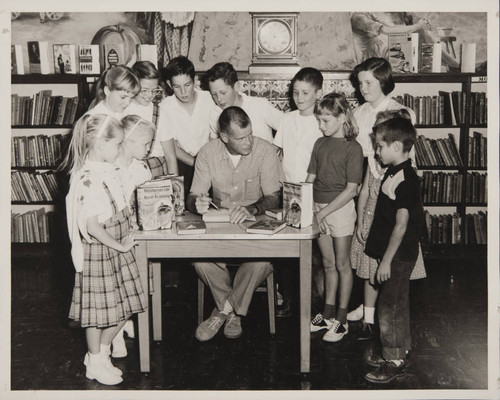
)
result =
(65, 59)
(298, 204)
(89, 59)
(266, 226)
(155, 209)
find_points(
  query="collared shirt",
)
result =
(400, 188)
(263, 115)
(256, 174)
(296, 136)
(190, 131)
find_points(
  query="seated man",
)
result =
(245, 173)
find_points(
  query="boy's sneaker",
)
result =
(366, 332)
(387, 372)
(232, 329)
(357, 314)
(209, 328)
(336, 332)
(318, 323)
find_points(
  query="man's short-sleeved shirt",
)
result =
(335, 162)
(400, 188)
(256, 174)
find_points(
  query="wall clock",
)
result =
(274, 42)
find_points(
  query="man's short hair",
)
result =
(233, 114)
(179, 66)
(397, 129)
(224, 71)
(309, 75)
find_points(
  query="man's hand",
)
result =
(202, 203)
(383, 272)
(239, 214)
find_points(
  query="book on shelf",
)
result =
(468, 59)
(444, 228)
(266, 226)
(476, 228)
(114, 53)
(33, 186)
(88, 58)
(43, 109)
(430, 57)
(276, 213)
(191, 227)
(38, 57)
(478, 112)
(64, 58)
(147, 52)
(16, 60)
(34, 226)
(437, 152)
(155, 209)
(449, 112)
(298, 204)
(400, 51)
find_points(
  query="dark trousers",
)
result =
(394, 310)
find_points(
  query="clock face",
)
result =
(275, 36)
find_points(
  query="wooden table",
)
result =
(222, 240)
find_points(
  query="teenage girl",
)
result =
(366, 267)
(146, 104)
(107, 284)
(336, 170)
(114, 91)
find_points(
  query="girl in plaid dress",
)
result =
(107, 283)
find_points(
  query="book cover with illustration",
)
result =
(266, 226)
(38, 57)
(155, 209)
(191, 227)
(114, 53)
(88, 56)
(400, 52)
(64, 58)
(430, 57)
(298, 204)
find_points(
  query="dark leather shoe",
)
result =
(284, 310)
(366, 332)
(374, 359)
(387, 372)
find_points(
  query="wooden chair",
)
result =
(270, 301)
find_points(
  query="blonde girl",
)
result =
(114, 91)
(107, 283)
(336, 168)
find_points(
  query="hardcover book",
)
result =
(266, 226)
(155, 209)
(89, 59)
(213, 215)
(276, 213)
(191, 227)
(114, 54)
(430, 57)
(16, 60)
(468, 63)
(147, 52)
(400, 52)
(38, 55)
(65, 59)
(298, 204)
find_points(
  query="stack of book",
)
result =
(34, 226)
(441, 187)
(477, 185)
(28, 187)
(478, 150)
(437, 152)
(443, 229)
(43, 109)
(476, 228)
(38, 150)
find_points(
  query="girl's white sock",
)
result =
(369, 314)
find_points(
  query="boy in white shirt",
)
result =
(222, 82)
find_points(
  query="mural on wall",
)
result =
(326, 40)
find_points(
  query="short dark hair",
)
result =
(398, 129)
(145, 70)
(233, 114)
(381, 70)
(224, 71)
(179, 66)
(309, 75)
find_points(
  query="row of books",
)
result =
(34, 226)
(429, 110)
(38, 150)
(444, 228)
(408, 52)
(477, 188)
(73, 59)
(437, 152)
(443, 187)
(478, 150)
(28, 186)
(43, 109)
(478, 108)
(476, 228)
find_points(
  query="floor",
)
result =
(448, 320)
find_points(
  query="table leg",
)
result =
(143, 318)
(305, 304)
(156, 303)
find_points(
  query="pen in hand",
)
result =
(211, 202)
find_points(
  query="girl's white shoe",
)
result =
(97, 369)
(118, 345)
(129, 329)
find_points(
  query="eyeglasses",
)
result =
(151, 92)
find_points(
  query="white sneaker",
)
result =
(118, 345)
(96, 369)
(107, 363)
(357, 314)
(336, 332)
(319, 322)
(129, 329)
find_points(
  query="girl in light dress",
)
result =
(107, 288)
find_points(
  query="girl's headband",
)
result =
(131, 129)
(103, 126)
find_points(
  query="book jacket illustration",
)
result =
(155, 209)
(64, 59)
